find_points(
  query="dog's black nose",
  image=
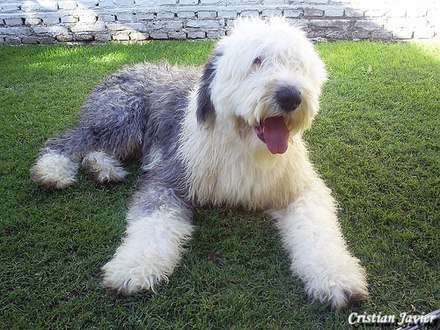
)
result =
(288, 98)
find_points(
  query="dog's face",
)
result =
(267, 75)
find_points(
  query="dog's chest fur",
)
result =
(221, 171)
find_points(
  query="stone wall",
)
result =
(49, 21)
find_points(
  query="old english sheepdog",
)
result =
(228, 134)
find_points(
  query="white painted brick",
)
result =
(126, 16)
(196, 35)
(186, 14)
(366, 25)
(67, 5)
(102, 37)
(334, 11)
(417, 11)
(250, 13)
(30, 40)
(212, 18)
(159, 35)
(253, 3)
(345, 2)
(351, 12)
(375, 12)
(145, 15)
(308, 12)
(167, 25)
(51, 30)
(64, 37)
(403, 34)
(124, 26)
(227, 13)
(50, 18)
(211, 2)
(138, 36)
(89, 18)
(271, 12)
(397, 12)
(47, 40)
(434, 14)
(165, 14)
(124, 3)
(9, 7)
(88, 3)
(43, 5)
(12, 40)
(107, 17)
(293, 13)
(382, 35)
(33, 21)
(15, 31)
(88, 27)
(68, 19)
(13, 21)
(106, 4)
(206, 14)
(215, 34)
(207, 24)
(153, 3)
(188, 2)
(424, 33)
(230, 23)
(177, 35)
(83, 37)
(329, 23)
(274, 2)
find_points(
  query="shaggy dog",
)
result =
(229, 134)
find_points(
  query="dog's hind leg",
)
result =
(59, 161)
(57, 164)
(159, 224)
(103, 167)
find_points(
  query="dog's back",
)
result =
(131, 113)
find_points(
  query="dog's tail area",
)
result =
(58, 162)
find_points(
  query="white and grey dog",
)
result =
(229, 134)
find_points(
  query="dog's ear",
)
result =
(205, 108)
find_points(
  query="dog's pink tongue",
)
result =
(276, 134)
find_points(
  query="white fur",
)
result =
(54, 170)
(311, 234)
(242, 89)
(227, 163)
(155, 158)
(104, 167)
(152, 248)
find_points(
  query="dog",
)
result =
(228, 134)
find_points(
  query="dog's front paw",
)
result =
(344, 285)
(131, 276)
(148, 254)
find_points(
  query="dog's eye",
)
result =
(257, 61)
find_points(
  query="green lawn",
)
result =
(376, 142)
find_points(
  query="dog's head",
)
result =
(266, 75)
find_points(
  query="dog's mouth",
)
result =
(274, 133)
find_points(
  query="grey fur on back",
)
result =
(135, 113)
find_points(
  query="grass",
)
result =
(376, 142)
